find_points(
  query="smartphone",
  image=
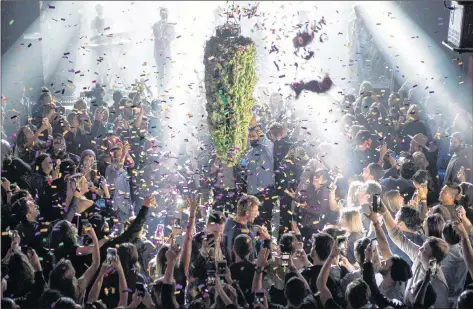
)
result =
(267, 245)
(221, 268)
(25, 250)
(111, 255)
(211, 274)
(376, 203)
(341, 240)
(141, 289)
(259, 298)
(374, 242)
(177, 223)
(285, 258)
(433, 266)
(86, 225)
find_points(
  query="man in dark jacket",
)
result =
(462, 157)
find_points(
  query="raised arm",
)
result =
(466, 244)
(368, 276)
(132, 231)
(321, 283)
(87, 277)
(97, 286)
(410, 248)
(187, 245)
(461, 214)
(261, 265)
(380, 236)
(171, 258)
(122, 284)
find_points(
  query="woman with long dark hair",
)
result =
(63, 239)
(64, 275)
(128, 255)
(98, 187)
(28, 143)
(39, 185)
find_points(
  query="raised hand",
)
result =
(291, 192)
(460, 229)
(173, 253)
(262, 259)
(150, 200)
(295, 228)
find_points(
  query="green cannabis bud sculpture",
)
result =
(230, 79)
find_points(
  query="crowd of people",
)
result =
(96, 214)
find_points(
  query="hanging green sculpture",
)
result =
(230, 79)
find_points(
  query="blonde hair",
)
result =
(420, 161)
(352, 199)
(390, 199)
(350, 219)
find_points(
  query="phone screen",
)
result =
(221, 268)
(111, 255)
(285, 259)
(177, 223)
(341, 242)
(374, 242)
(211, 277)
(376, 203)
(140, 288)
(259, 298)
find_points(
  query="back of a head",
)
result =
(360, 247)
(362, 136)
(97, 221)
(20, 209)
(435, 224)
(19, 195)
(465, 300)
(400, 269)
(9, 303)
(441, 211)
(48, 298)
(450, 235)
(322, 245)
(295, 291)
(358, 293)
(288, 242)
(67, 167)
(334, 231)
(242, 245)
(420, 177)
(376, 171)
(216, 217)
(373, 187)
(276, 129)
(245, 203)
(408, 169)
(128, 255)
(439, 248)
(65, 303)
(410, 216)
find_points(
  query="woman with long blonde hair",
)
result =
(350, 220)
(352, 199)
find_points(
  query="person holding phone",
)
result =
(112, 266)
